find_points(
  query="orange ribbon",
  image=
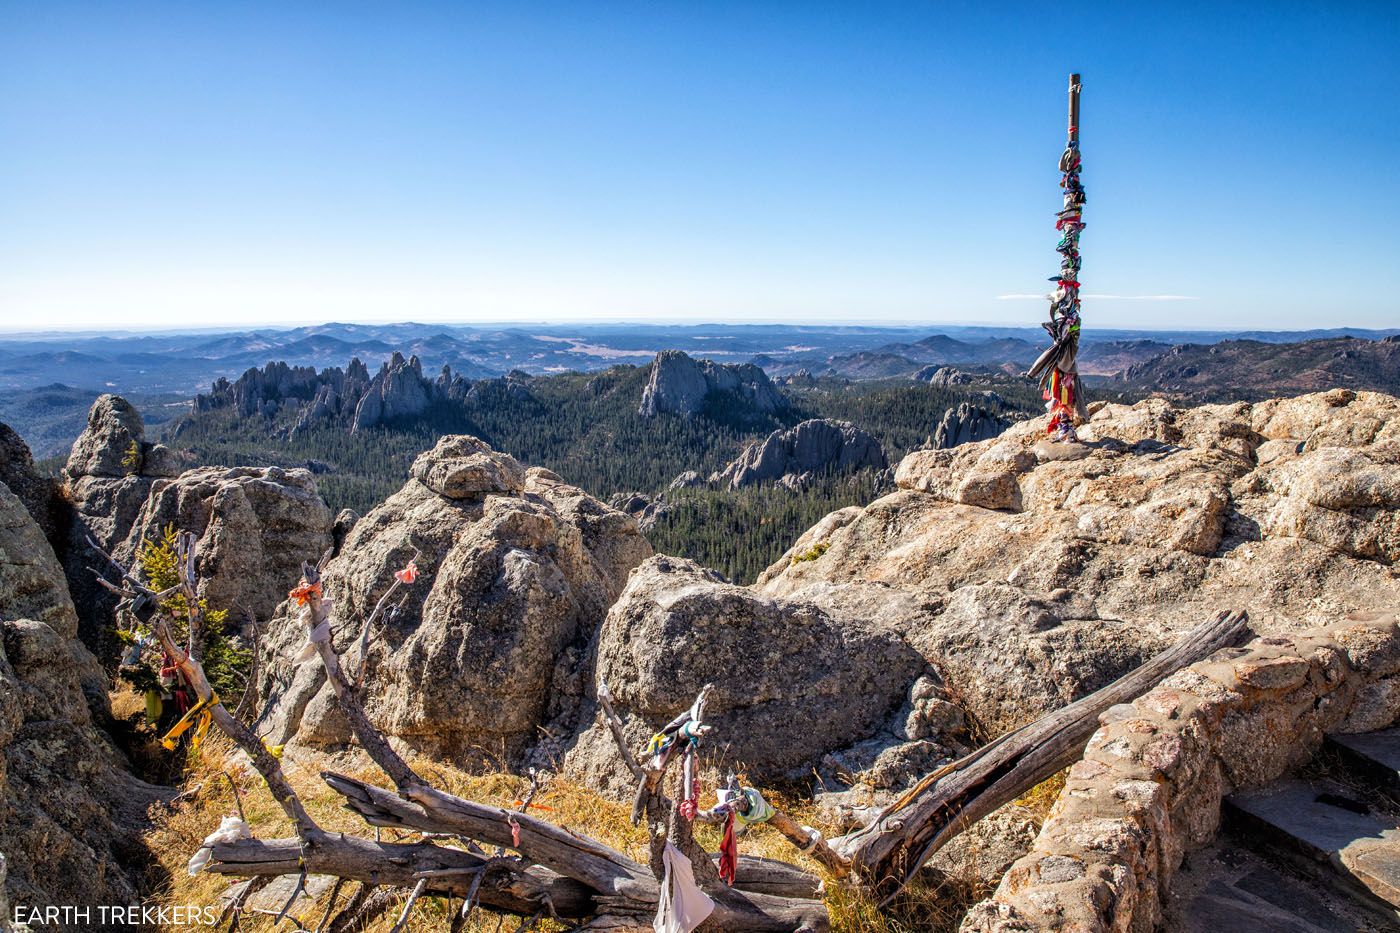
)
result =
(303, 593)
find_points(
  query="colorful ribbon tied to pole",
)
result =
(1057, 368)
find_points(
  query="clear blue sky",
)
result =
(208, 164)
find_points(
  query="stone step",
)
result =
(1322, 828)
(1226, 889)
(1372, 756)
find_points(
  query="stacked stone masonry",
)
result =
(1152, 778)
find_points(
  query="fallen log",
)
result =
(506, 885)
(887, 853)
(625, 885)
(430, 810)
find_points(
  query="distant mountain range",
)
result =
(162, 369)
(1249, 370)
(188, 362)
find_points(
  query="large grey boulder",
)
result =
(490, 644)
(105, 486)
(255, 525)
(110, 445)
(817, 446)
(680, 385)
(792, 680)
(71, 816)
(943, 376)
(32, 587)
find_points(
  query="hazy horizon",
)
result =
(560, 323)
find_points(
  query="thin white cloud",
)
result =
(1108, 297)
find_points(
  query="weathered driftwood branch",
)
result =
(505, 884)
(370, 738)
(425, 809)
(624, 885)
(811, 842)
(615, 725)
(888, 852)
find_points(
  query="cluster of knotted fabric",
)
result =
(1057, 368)
(683, 905)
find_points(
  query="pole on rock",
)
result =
(1057, 368)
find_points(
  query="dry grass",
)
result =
(209, 797)
(1040, 799)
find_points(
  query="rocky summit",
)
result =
(1041, 571)
(1002, 578)
(1016, 575)
(680, 385)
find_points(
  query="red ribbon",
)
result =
(729, 852)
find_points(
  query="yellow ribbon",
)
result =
(200, 716)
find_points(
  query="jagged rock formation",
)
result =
(398, 390)
(106, 481)
(514, 385)
(968, 423)
(1042, 572)
(792, 679)
(518, 569)
(70, 814)
(262, 391)
(255, 524)
(351, 396)
(817, 446)
(680, 385)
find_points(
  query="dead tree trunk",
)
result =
(888, 852)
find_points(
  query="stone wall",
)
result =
(1152, 778)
